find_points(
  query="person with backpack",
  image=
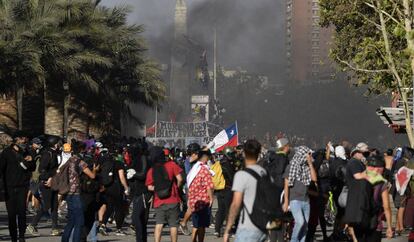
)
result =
(275, 165)
(298, 176)
(76, 167)
(16, 166)
(34, 194)
(136, 176)
(254, 195)
(114, 180)
(337, 171)
(89, 190)
(381, 203)
(163, 179)
(48, 165)
(358, 202)
(223, 180)
(319, 193)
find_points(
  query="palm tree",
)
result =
(20, 62)
(82, 55)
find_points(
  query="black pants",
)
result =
(367, 235)
(115, 203)
(49, 201)
(276, 235)
(16, 208)
(223, 201)
(90, 208)
(140, 217)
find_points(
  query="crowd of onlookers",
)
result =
(280, 194)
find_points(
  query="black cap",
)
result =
(37, 141)
(376, 161)
(193, 148)
(52, 140)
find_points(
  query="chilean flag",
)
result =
(227, 137)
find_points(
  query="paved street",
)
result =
(44, 230)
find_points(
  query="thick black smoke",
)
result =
(251, 35)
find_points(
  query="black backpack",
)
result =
(162, 183)
(107, 172)
(266, 205)
(87, 184)
(324, 170)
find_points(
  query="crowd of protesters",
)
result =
(279, 194)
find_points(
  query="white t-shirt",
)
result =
(246, 183)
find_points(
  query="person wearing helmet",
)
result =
(47, 168)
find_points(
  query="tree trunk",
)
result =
(66, 104)
(19, 106)
(391, 64)
(53, 114)
(408, 22)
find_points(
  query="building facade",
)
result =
(307, 44)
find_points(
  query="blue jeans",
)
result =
(250, 235)
(92, 236)
(300, 211)
(75, 220)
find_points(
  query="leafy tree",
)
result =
(373, 41)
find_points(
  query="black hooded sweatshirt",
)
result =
(14, 169)
(48, 164)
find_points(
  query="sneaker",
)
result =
(120, 233)
(32, 230)
(217, 234)
(132, 227)
(102, 230)
(184, 229)
(212, 226)
(55, 232)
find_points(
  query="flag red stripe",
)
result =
(231, 143)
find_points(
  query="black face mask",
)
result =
(22, 147)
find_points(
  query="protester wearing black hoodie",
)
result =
(16, 166)
(136, 177)
(47, 168)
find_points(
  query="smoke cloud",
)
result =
(251, 35)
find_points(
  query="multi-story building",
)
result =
(307, 44)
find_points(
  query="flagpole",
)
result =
(237, 130)
(215, 65)
(156, 120)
